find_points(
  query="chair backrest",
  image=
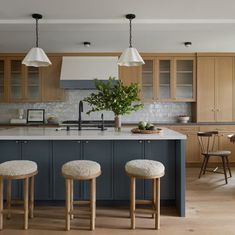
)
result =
(207, 141)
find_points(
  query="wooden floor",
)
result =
(210, 210)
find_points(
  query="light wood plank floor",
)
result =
(210, 210)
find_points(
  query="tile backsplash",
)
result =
(68, 110)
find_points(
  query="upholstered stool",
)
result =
(17, 170)
(145, 169)
(80, 170)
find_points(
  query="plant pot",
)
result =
(118, 123)
(183, 119)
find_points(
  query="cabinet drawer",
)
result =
(220, 128)
(184, 129)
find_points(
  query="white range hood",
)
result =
(79, 72)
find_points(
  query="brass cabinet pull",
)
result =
(140, 141)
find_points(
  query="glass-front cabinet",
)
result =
(164, 66)
(148, 80)
(2, 80)
(184, 79)
(24, 82)
(169, 79)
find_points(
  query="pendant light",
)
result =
(130, 56)
(36, 57)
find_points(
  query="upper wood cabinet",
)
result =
(19, 83)
(51, 81)
(214, 89)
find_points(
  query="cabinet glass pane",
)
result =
(147, 80)
(165, 79)
(184, 79)
(16, 79)
(33, 83)
(1, 79)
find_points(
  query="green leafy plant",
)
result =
(114, 97)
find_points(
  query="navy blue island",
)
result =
(51, 149)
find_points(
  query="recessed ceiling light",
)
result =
(188, 44)
(86, 44)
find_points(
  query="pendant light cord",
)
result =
(36, 32)
(130, 36)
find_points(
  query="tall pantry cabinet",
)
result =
(214, 89)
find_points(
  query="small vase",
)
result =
(118, 122)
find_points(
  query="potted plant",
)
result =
(115, 97)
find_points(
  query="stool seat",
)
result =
(17, 168)
(81, 169)
(218, 153)
(145, 168)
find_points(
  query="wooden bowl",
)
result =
(138, 131)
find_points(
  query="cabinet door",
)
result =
(192, 148)
(101, 152)
(224, 84)
(64, 151)
(185, 79)
(205, 89)
(16, 80)
(33, 84)
(165, 78)
(3, 81)
(225, 144)
(125, 151)
(51, 90)
(130, 75)
(11, 150)
(40, 152)
(148, 89)
(164, 152)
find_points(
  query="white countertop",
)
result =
(46, 133)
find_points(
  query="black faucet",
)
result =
(80, 110)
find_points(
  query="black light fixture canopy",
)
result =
(86, 44)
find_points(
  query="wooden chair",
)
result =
(146, 170)
(207, 146)
(18, 170)
(80, 170)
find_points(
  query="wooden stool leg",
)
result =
(31, 199)
(71, 199)
(132, 201)
(26, 202)
(157, 205)
(1, 203)
(154, 190)
(8, 198)
(67, 204)
(93, 203)
(225, 171)
(228, 165)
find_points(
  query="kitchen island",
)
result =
(51, 149)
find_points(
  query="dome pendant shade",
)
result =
(36, 57)
(130, 57)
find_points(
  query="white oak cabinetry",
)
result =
(215, 89)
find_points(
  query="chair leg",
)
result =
(132, 201)
(228, 165)
(8, 198)
(92, 203)
(1, 203)
(202, 167)
(26, 202)
(67, 204)
(31, 199)
(154, 191)
(205, 166)
(157, 205)
(71, 199)
(225, 172)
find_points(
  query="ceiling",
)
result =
(160, 26)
